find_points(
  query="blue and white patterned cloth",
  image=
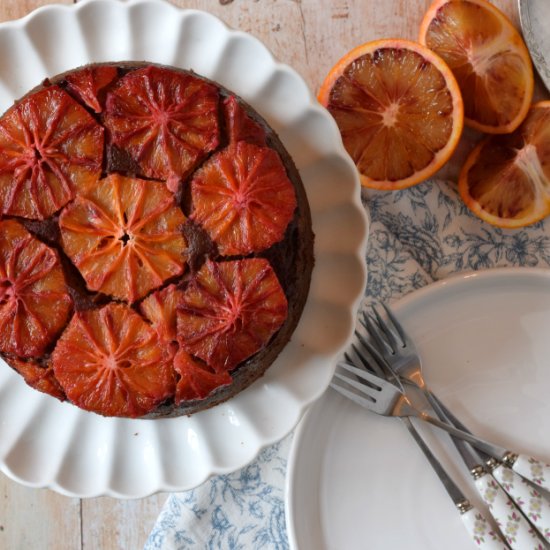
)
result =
(417, 236)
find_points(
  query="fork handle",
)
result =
(532, 469)
(513, 525)
(531, 502)
(481, 531)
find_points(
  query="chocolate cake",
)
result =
(155, 241)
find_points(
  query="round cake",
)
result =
(155, 241)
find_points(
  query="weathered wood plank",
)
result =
(37, 518)
(112, 524)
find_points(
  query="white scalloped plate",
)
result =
(45, 443)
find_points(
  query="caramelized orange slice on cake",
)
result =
(164, 120)
(243, 198)
(34, 300)
(488, 58)
(124, 236)
(196, 379)
(239, 125)
(50, 147)
(160, 309)
(230, 310)
(108, 361)
(399, 110)
(87, 84)
(506, 179)
(38, 377)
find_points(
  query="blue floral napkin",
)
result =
(417, 236)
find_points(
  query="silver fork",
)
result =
(374, 394)
(393, 344)
(385, 398)
(489, 482)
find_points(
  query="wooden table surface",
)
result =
(310, 35)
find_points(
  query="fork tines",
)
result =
(366, 385)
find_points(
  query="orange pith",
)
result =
(399, 111)
(488, 58)
(124, 236)
(506, 178)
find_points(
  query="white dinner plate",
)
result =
(357, 480)
(45, 443)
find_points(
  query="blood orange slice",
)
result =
(124, 236)
(399, 110)
(239, 126)
(230, 310)
(160, 309)
(506, 179)
(40, 378)
(166, 121)
(87, 84)
(50, 147)
(488, 58)
(108, 361)
(243, 198)
(34, 301)
(196, 379)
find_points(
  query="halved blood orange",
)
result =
(165, 120)
(230, 310)
(196, 379)
(506, 178)
(38, 377)
(243, 198)
(34, 300)
(108, 361)
(86, 84)
(398, 108)
(50, 147)
(124, 236)
(488, 58)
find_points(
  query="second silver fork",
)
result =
(401, 356)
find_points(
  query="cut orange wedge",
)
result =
(488, 58)
(398, 108)
(506, 179)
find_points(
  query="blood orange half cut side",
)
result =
(34, 301)
(399, 110)
(230, 310)
(488, 58)
(506, 178)
(50, 147)
(108, 361)
(124, 236)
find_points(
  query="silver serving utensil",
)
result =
(396, 348)
(535, 25)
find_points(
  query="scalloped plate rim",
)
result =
(266, 439)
